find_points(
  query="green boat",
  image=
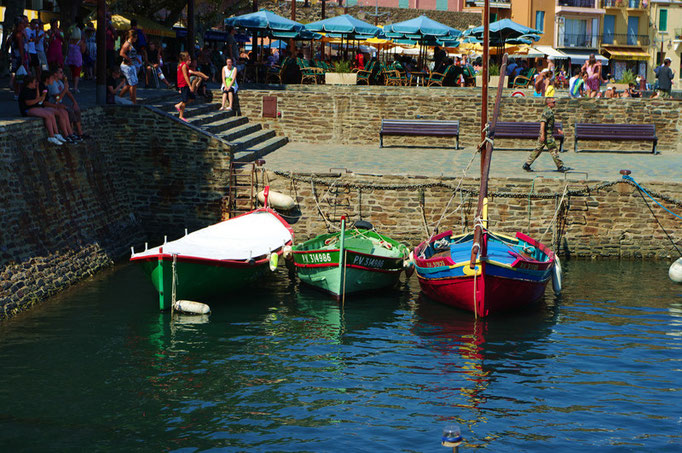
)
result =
(350, 262)
(218, 259)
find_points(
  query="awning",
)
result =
(551, 52)
(148, 26)
(581, 57)
(621, 53)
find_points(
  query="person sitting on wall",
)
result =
(632, 91)
(114, 86)
(197, 79)
(61, 114)
(31, 101)
(58, 91)
(229, 86)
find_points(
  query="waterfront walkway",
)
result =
(320, 158)
(309, 157)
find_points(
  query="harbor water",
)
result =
(284, 368)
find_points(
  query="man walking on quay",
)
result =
(547, 139)
(665, 77)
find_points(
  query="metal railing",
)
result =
(634, 4)
(578, 3)
(625, 39)
(578, 40)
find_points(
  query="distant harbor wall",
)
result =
(69, 211)
(332, 114)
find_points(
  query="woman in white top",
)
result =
(229, 86)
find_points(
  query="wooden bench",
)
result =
(508, 129)
(421, 128)
(634, 132)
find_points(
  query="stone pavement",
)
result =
(309, 157)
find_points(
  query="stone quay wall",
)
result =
(332, 114)
(70, 211)
(594, 219)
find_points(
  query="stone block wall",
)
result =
(69, 211)
(326, 114)
(596, 220)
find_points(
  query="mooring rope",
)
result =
(556, 213)
(631, 179)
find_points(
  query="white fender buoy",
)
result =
(274, 260)
(675, 271)
(191, 307)
(288, 252)
(556, 275)
(277, 200)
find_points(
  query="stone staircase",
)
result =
(249, 141)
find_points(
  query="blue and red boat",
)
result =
(481, 271)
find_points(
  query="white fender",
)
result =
(277, 200)
(191, 307)
(675, 271)
(288, 252)
(556, 275)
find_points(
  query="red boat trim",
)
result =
(546, 250)
(354, 266)
(208, 261)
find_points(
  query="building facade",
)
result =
(665, 35)
(624, 37)
(538, 14)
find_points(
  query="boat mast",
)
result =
(487, 146)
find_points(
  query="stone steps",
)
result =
(260, 150)
(248, 141)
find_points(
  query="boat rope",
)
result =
(317, 203)
(556, 213)
(454, 193)
(532, 188)
(641, 189)
(414, 187)
(173, 286)
(641, 193)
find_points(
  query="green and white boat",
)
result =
(219, 258)
(349, 262)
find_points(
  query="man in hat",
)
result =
(546, 138)
(665, 76)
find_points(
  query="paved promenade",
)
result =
(308, 157)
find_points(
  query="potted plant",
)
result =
(341, 75)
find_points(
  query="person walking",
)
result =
(665, 77)
(129, 65)
(184, 85)
(546, 138)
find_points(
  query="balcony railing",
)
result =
(633, 4)
(577, 3)
(625, 39)
(578, 40)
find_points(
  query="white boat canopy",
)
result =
(248, 236)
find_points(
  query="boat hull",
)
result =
(372, 262)
(199, 280)
(502, 282)
(330, 280)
